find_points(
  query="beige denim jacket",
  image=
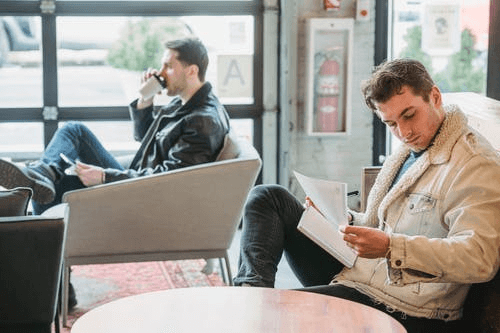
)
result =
(443, 217)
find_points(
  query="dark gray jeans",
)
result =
(270, 229)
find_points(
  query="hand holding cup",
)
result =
(152, 84)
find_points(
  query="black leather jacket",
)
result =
(176, 135)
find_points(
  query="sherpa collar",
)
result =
(453, 127)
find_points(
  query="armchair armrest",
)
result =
(31, 251)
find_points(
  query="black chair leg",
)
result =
(57, 321)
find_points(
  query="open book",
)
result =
(321, 225)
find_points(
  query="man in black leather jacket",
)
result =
(189, 130)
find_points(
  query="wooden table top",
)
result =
(234, 309)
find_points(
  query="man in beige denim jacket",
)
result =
(432, 223)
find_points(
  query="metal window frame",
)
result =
(381, 50)
(48, 10)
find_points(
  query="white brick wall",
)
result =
(337, 157)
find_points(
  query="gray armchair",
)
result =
(31, 252)
(182, 214)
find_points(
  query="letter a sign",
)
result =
(235, 75)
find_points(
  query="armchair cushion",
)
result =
(14, 202)
(230, 149)
(482, 307)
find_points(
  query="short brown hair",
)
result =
(390, 77)
(191, 51)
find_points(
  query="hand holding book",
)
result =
(325, 221)
(326, 211)
(368, 242)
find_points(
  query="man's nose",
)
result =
(163, 70)
(163, 74)
(404, 131)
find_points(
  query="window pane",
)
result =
(243, 128)
(20, 62)
(85, 75)
(21, 140)
(450, 38)
(230, 44)
(103, 69)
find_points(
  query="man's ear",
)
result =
(435, 97)
(193, 70)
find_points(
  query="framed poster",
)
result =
(441, 28)
(329, 74)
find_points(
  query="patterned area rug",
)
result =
(99, 284)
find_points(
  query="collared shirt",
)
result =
(412, 157)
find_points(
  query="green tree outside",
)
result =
(413, 49)
(141, 44)
(460, 73)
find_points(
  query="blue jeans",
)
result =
(77, 142)
(270, 229)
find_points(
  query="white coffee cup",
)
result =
(151, 87)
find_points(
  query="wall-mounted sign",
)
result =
(331, 4)
(441, 28)
(235, 75)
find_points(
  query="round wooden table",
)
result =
(234, 309)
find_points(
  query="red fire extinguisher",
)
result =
(328, 116)
(328, 99)
(331, 4)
